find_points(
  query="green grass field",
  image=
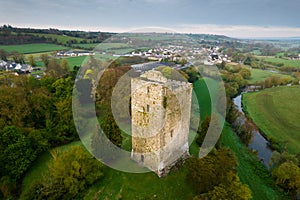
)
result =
(60, 38)
(285, 61)
(276, 112)
(78, 60)
(117, 184)
(250, 170)
(86, 46)
(203, 95)
(32, 48)
(258, 75)
(108, 45)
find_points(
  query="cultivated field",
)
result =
(276, 112)
(32, 48)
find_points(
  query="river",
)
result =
(258, 142)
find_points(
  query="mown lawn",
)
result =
(32, 48)
(276, 112)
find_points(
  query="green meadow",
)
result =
(63, 39)
(32, 48)
(258, 75)
(285, 61)
(276, 112)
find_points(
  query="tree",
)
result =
(65, 65)
(70, 173)
(3, 55)
(16, 152)
(210, 171)
(287, 176)
(55, 69)
(232, 189)
(18, 57)
(111, 130)
(45, 59)
(31, 60)
(203, 130)
(246, 73)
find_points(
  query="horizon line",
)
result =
(258, 32)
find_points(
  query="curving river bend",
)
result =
(258, 142)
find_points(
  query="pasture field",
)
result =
(32, 48)
(258, 75)
(276, 112)
(63, 39)
(108, 45)
(75, 61)
(285, 61)
(86, 46)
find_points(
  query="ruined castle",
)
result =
(160, 110)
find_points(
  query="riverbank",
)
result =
(250, 170)
(276, 114)
(259, 144)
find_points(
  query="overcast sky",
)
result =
(236, 18)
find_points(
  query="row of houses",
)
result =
(12, 66)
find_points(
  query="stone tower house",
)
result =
(160, 110)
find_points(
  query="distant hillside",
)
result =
(14, 36)
(209, 37)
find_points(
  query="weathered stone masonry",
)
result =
(160, 121)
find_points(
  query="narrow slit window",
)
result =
(148, 90)
(172, 131)
(148, 108)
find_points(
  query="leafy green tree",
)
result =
(210, 171)
(45, 59)
(232, 189)
(70, 173)
(18, 57)
(31, 60)
(3, 55)
(111, 130)
(287, 176)
(16, 152)
(279, 158)
(65, 65)
(55, 69)
(246, 73)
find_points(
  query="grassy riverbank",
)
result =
(275, 112)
